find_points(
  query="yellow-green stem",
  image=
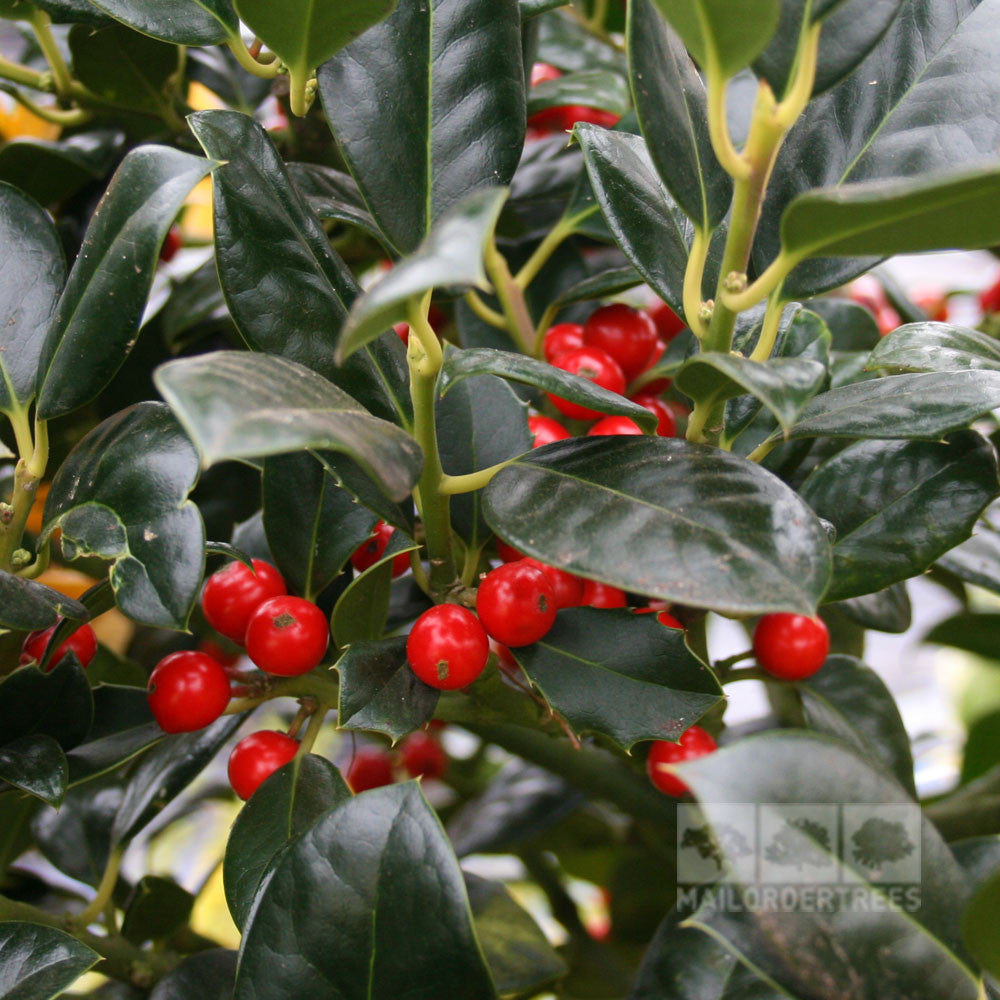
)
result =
(104, 890)
(769, 329)
(483, 311)
(529, 271)
(251, 65)
(702, 413)
(762, 451)
(471, 481)
(693, 274)
(25, 76)
(734, 163)
(54, 116)
(316, 721)
(41, 24)
(515, 309)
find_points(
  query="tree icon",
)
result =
(726, 840)
(879, 841)
(799, 843)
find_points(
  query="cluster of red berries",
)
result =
(563, 117)
(82, 642)
(420, 755)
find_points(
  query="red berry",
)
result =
(601, 595)
(233, 594)
(447, 647)
(989, 298)
(211, 648)
(171, 244)
(596, 365)
(287, 636)
(868, 292)
(516, 604)
(545, 430)
(370, 551)
(543, 71)
(82, 642)
(256, 757)
(668, 324)
(933, 302)
(561, 338)
(887, 319)
(508, 553)
(658, 385)
(187, 691)
(666, 423)
(694, 743)
(628, 335)
(403, 332)
(791, 647)
(575, 113)
(423, 756)
(615, 426)
(568, 589)
(663, 617)
(369, 768)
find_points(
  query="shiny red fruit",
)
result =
(615, 426)
(545, 430)
(627, 334)
(561, 338)
(287, 636)
(232, 595)
(187, 691)
(596, 365)
(791, 647)
(370, 551)
(82, 642)
(989, 298)
(508, 553)
(447, 647)
(887, 320)
(369, 768)
(668, 324)
(694, 743)
(663, 617)
(171, 244)
(423, 756)
(602, 595)
(934, 303)
(256, 757)
(658, 385)
(568, 588)
(666, 422)
(516, 604)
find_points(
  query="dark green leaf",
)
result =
(978, 559)
(166, 771)
(899, 506)
(518, 953)
(623, 675)
(34, 272)
(911, 952)
(850, 701)
(601, 285)
(925, 405)
(661, 517)
(367, 491)
(978, 856)
(935, 347)
(532, 8)
(379, 692)
(183, 22)
(207, 975)
(974, 631)
(37, 765)
(279, 811)
(57, 704)
(669, 99)
(290, 409)
(480, 422)
(441, 84)
(40, 962)
(981, 928)
(567, 44)
(852, 327)
(312, 524)
(100, 308)
(373, 867)
(886, 610)
(520, 368)
(647, 224)
(156, 908)
(594, 88)
(92, 759)
(26, 605)
(333, 195)
(452, 254)
(123, 495)
(981, 752)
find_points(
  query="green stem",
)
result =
(470, 481)
(316, 721)
(266, 70)
(745, 674)
(763, 450)
(41, 24)
(548, 878)
(693, 274)
(104, 890)
(26, 76)
(515, 310)
(54, 116)
(769, 329)
(483, 311)
(27, 474)
(705, 411)
(563, 229)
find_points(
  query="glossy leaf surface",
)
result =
(935, 347)
(26, 605)
(57, 704)
(37, 765)
(183, 22)
(40, 962)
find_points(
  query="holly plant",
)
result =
(398, 395)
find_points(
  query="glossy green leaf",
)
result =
(899, 506)
(647, 224)
(519, 368)
(850, 701)
(37, 765)
(305, 33)
(40, 962)
(57, 704)
(623, 675)
(935, 347)
(923, 405)
(361, 610)
(183, 22)
(379, 692)
(661, 517)
(166, 771)
(278, 812)
(567, 44)
(886, 610)
(726, 33)
(888, 950)
(313, 525)
(852, 327)
(978, 559)
(452, 254)
(208, 975)
(517, 951)
(73, 12)
(373, 867)
(595, 88)
(601, 285)
(26, 605)
(99, 310)
(368, 492)
(974, 631)
(980, 927)
(34, 273)
(291, 408)
(99, 756)
(333, 195)
(670, 101)
(126, 69)
(123, 495)
(480, 423)
(441, 84)
(156, 908)
(981, 753)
